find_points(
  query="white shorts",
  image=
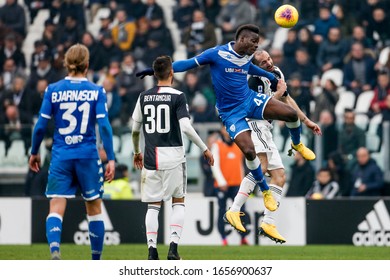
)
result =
(162, 185)
(263, 140)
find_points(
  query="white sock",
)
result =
(253, 164)
(177, 221)
(246, 188)
(151, 223)
(269, 216)
(294, 124)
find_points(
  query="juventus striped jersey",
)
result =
(262, 84)
(159, 110)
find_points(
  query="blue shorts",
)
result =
(235, 119)
(67, 175)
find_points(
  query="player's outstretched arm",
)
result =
(309, 123)
(146, 72)
(178, 66)
(257, 71)
(190, 132)
(184, 65)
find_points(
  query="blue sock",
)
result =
(53, 231)
(255, 167)
(295, 134)
(96, 236)
(259, 177)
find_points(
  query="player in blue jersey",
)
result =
(230, 64)
(76, 106)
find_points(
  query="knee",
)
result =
(280, 180)
(249, 153)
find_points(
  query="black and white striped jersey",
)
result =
(159, 110)
(262, 84)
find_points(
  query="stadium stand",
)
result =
(14, 166)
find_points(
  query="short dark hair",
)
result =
(348, 110)
(246, 28)
(325, 169)
(162, 66)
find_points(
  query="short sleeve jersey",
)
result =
(159, 110)
(75, 104)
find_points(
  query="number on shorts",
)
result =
(257, 100)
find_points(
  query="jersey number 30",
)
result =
(157, 118)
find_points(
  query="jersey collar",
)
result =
(75, 78)
(230, 46)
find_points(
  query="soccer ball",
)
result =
(286, 16)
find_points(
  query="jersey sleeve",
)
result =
(206, 57)
(255, 70)
(182, 107)
(46, 108)
(279, 72)
(101, 105)
(254, 83)
(137, 114)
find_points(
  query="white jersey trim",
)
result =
(239, 61)
(169, 157)
(75, 78)
(169, 90)
(45, 116)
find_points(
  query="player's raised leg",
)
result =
(244, 142)
(277, 110)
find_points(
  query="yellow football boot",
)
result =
(271, 232)
(269, 201)
(304, 151)
(233, 218)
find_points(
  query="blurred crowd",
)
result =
(350, 36)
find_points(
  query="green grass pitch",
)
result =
(139, 252)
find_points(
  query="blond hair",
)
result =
(77, 59)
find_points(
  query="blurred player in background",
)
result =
(76, 106)
(228, 172)
(162, 111)
(265, 147)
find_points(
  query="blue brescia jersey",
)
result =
(75, 104)
(229, 72)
